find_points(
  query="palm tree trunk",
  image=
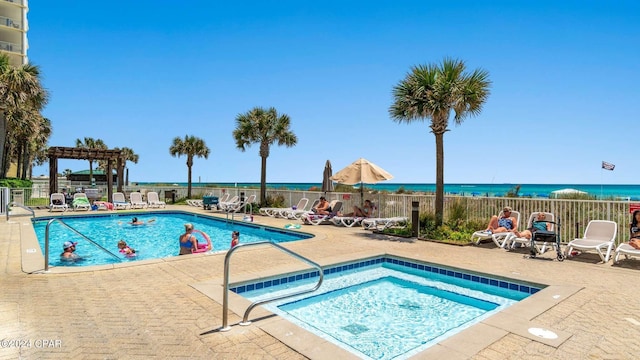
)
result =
(263, 182)
(439, 178)
(3, 139)
(90, 172)
(189, 182)
(26, 160)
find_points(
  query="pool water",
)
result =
(155, 239)
(386, 310)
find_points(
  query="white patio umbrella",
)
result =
(361, 171)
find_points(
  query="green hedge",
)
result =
(15, 183)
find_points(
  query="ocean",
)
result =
(622, 192)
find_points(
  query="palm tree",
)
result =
(190, 146)
(67, 173)
(20, 89)
(128, 155)
(91, 143)
(431, 92)
(264, 127)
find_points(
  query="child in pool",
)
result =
(235, 238)
(125, 249)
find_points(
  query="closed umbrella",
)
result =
(361, 171)
(327, 184)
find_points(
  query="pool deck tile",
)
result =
(172, 307)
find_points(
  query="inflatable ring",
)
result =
(292, 226)
(203, 247)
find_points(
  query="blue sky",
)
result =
(564, 91)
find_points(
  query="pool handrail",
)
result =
(225, 298)
(15, 204)
(46, 242)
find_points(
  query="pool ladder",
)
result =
(46, 242)
(225, 298)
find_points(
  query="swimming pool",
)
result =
(156, 239)
(366, 307)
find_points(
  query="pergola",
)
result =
(75, 153)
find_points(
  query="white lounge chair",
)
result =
(282, 211)
(600, 235)
(81, 202)
(322, 219)
(57, 202)
(233, 201)
(136, 200)
(299, 213)
(351, 221)
(153, 200)
(500, 239)
(626, 250)
(240, 205)
(382, 223)
(120, 202)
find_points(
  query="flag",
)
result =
(607, 166)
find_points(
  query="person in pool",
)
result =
(188, 242)
(125, 249)
(235, 238)
(135, 221)
(68, 253)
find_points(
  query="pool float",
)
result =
(292, 226)
(202, 247)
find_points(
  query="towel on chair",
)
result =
(80, 201)
(104, 204)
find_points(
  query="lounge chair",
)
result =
(233, 201)
(136, 200)
(351, 221)
(600, 235)
(297, 214)
(500, 239)
(626, 250)
(382, 223)
(281, 211)
(512, 239)
(120, 202)
(153, 200)
(322, 219)
(80, 202)
(240, 205)
(57, 202)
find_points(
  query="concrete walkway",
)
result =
(156, 310)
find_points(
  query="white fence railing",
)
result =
(574, 215)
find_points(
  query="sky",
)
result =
(564, 85)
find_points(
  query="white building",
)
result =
(13, 30)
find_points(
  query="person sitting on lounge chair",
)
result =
(365, 212)
(323, 208)
(634, 230)
(538, 224)
(505, 223)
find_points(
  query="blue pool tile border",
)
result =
(474, 277)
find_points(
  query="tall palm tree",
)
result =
(128, 155)
(20, 88)
(431, 92)
(264, 127)
(190, 146)
(91, 143)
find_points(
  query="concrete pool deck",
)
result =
(172, 307)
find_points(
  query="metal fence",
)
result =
(574, 215)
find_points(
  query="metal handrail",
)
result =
(225, 298)
(46, 242)
(14, 204)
